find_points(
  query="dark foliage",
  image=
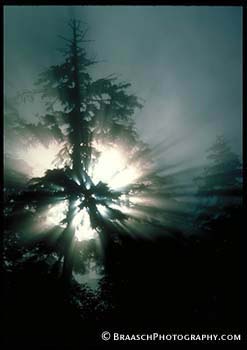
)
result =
(154, 274)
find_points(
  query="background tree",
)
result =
(222, 176)
(220, 184)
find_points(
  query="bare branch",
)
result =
(65, 39)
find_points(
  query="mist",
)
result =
(185, 63)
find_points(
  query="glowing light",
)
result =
(39, 157)
(112, 167)
(102, 209)
(76, 180)
(125, 177)
(83, 229)
(88, 186)
(57, 213)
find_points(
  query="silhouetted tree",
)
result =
(220, 184)
(222, 176)
(79, 109)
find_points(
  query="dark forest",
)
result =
(104, 236)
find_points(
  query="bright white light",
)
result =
(102, 209)
(40, 158)
(57, 213)
(83, 229)
(112, 167)
(125, 177)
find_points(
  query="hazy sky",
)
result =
(185, 62)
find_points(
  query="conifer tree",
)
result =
(222, 175)
(79, 110)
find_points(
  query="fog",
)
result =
(185, 63)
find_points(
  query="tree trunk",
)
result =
(80, 159)
(68, 263)
(68, 246)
